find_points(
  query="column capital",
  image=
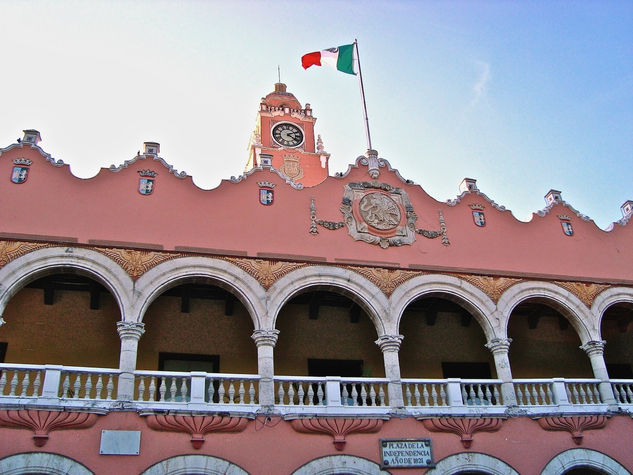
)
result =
(130, 330)
(389, 342)
(265, 337)
(499, 345)
(593, 347)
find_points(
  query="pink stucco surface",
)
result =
(229, 219)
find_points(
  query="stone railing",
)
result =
(96, 388)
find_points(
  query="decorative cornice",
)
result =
(170, 168)
(387, 280)
(266, 272)
(493, 287)
(389, 342)
(246, 174)
(130, 330)
(545, 211)
(43, 422)
(196, 426)
(459, 198)
(135, 262)
(586, 292)
(464, 427)
(339, 428)
(575, 425)
(265, 337)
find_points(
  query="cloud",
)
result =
(481, 86)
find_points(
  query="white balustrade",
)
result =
(583, 391)
(484, 392)
(88, 383)
(21, 380)
(534, 392)
(623, 391)
(300, 391)
(424, 392)
(364, 392)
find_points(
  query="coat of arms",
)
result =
(266, 192)
(291, 167)
(20, 171)
(479, 218)
(146, 182)
(567, 228)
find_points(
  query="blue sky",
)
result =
(524, 96)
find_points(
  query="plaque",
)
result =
(406, 453)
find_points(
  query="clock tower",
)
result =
(284, 139)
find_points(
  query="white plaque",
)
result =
(406, 453)
(120, 442)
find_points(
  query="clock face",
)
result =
(287, 134)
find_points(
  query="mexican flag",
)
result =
(341, 58)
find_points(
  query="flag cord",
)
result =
(362, 93)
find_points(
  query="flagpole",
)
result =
(362, 93)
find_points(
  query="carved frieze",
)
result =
(387, 280)
(493, 287)
(338, 427)
(266, 272)
(196, 426)
(575, 425)
(586, 292)
(136, 262)
(43, 422)
(464, 427)
(10, 250)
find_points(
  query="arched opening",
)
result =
(617, 330)
(63, 318)
(544, 343)
(442, 339)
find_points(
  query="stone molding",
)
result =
(575, 425)
(43, 422)
(499, 345)
(389, 342)
(464, 427)
(594, 347)
(130, 330)
(265, 337)
(196, 426)
(338, 427)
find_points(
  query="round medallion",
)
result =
(379, 211)
(287, 134)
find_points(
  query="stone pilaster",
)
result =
(129, 333)
(500, 347)
(390, 345)
(266, 341)
(595, 352)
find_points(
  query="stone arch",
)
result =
(338, 279)
(577, 458)
(606, 299)
(170, 273)
(25, 269)
(41, 462)
(199, 464)
(452, 288)
(334, 464)
(562, 300)
(457, 463)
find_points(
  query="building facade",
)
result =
(289, 321)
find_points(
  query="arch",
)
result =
(457, 290)
(334, 464)
(457, 463)
(224, 274)
(345, 281)
(606, 299)
(199, 464)
(25, 269)
(562, 300)
(41, 462)
(576, 458)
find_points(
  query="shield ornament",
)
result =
(266, 196)
(567, 228)
(291, 167)
(146, 183)
(479, 218)
(19, 174)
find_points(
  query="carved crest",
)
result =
(479, 218)
(19, 174)
(291, 167)
(567, 227)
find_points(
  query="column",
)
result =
(500, 348)
(265, 341)
(595, 352)
(390, 345)
(130, 333)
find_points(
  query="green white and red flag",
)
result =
(341, 58)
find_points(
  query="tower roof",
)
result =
(280, 97)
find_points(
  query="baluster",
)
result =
(595, 397)
(36, 384)
(629, 394)
(14, 384)
(152, 389)
(291, 394)
(569, 388)
(407, 394)
(310, 395)
(26, 382)
(184, 390)
(221, 391)
(66, 385)
(354, 395)
(381, 394)
(363, 395)
(433, 395)
(583, 394)
(321, 394)
(77, 385)
(163, 388)
(300, 394)
(541, 394)
(497, 396)
(241, 393)
(141, 389)
(251, 393)
(519, 393)
(345, 395)
(488, 394)
(464, 393)
(173, 389)
(210, 391)
(372, 395)
(88, 388)
(443, 394)
(109, 386)
(3, 382)
(425, 394)
(480, 394)
(99, 386)
(231, 391)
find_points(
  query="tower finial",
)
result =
(279, 73)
